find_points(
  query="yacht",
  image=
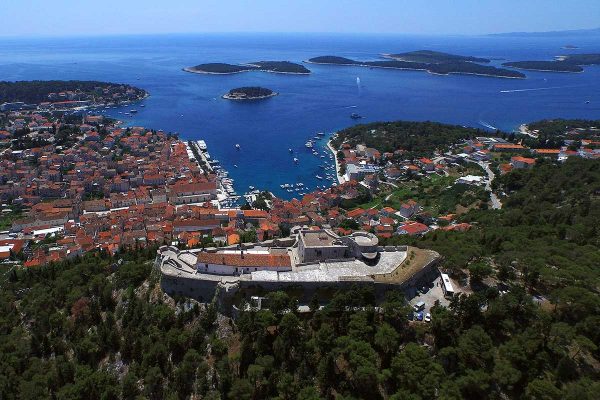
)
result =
(355, 116)
(237, 146)
(290, 150)
(295, 160)
(320, 134)
(318, 177)
(309, 144)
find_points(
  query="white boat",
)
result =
(309, 144)
(251, 187)
(295, 160)
(237, 146)
(318, 177)
(235, 166)
(320, 134)
(290, 150)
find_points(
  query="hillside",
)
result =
(99, 328)
(417, 137)
(35, 92)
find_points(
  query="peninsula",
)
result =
(66, 94)
(280, 67)
(439, 67)
(249, 93)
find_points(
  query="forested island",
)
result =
(282, 67)
(549, 66)
(249, 93)
(35, 92)
(569, 63)
(433, 57)
(440, 68)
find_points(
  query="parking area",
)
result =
(429, 296)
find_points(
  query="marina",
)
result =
(226, 194)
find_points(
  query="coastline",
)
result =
(418, 69)
(195, 71)
(228, 97)
(546, 70)
(340, 178)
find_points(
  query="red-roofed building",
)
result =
(412, 228)
(519, 162)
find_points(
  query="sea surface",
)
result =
(191, 104)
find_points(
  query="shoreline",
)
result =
(269, 71)
(228, 97)
(340, 178)
(546, 70)
(418, 69)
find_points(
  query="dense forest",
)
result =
(420, 138)
(559, 127)
(249, 93)
(37, 91)
(583, 59)
(570, 63)
(220, 68)
(443, 68)
(266, 66)
(556, 66)
(434, 57)
(100, 328)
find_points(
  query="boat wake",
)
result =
(483, 123)
(536, 89)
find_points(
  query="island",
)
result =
(433, 57)
(280, 67)
(439, 68)
(249, 93)
(568, 63)
(66, 94)
(544, 66)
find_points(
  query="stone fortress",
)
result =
(308, 259)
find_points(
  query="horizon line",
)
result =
(92, 35)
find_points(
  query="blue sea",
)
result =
(191, 104)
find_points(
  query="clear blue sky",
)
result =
(99, 17)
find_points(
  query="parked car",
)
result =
(427, 317)
(419, 306)
(419, 316)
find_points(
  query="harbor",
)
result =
(230, 195)
(226, 194)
